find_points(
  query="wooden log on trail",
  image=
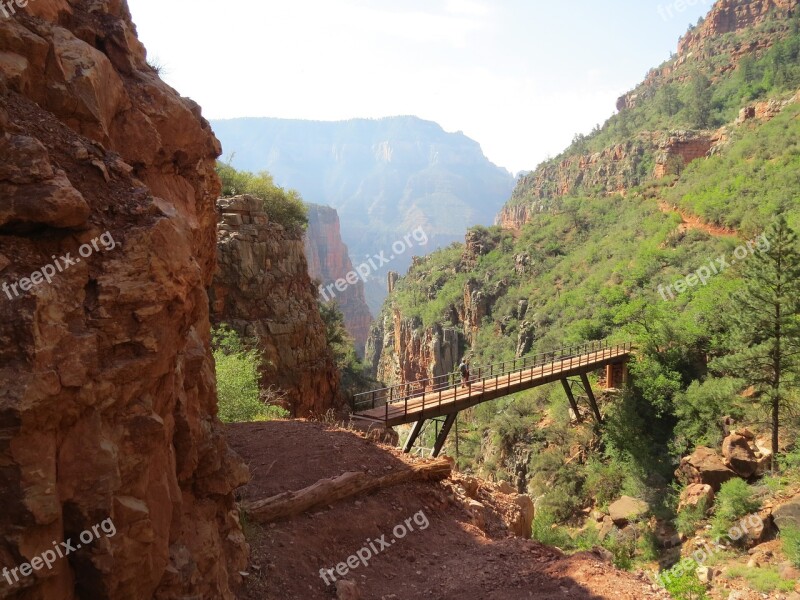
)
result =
(326, 491)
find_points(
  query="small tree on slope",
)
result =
(767, 320)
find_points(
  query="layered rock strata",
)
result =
(262, 289)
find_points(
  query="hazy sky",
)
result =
(519, 76)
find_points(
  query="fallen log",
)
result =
(326, 491)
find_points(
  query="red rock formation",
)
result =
(108, 394)
(399, 351)
(729, 16)
(329, 261)
(683, 147)
(262, 289)
(726, 16)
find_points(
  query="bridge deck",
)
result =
(452, 399)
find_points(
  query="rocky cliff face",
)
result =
(262, 289)
(730, 16)
(706, 41)
(329, 261)
(107, 246)
(613, 171)
(399, 352)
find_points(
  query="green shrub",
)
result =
(603, 481)
(682, 583)
(282, 206)
(546, 531)
(735, 500)
(688, 520)
(622, 548)
(237, 381)
(762, 579)
(790, 540)
(588, 538)
(648, 546)
(701, 404)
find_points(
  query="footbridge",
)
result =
(446, 396)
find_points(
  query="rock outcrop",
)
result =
(400, 351)
(739, 456)
(696, 493)
(328, 262)
(706, 41)
(627, 509)
(613, 171)
(262, 290)
(705, 466)
(108, 400)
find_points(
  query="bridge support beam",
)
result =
(413, 435)
(571, 398)
(592, 400)
(442, 437)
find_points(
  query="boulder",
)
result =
(739, 456)
(704, 465)
(692, 495)
(478, 512)
(627, 509)
(606, 528)
(787, 514)
(506, 488)
(521, 524)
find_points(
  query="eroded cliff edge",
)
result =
(262, 289)
(108, 401)
(329, 261)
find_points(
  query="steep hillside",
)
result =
(328, 262)
(649, 230)
(455, 538)
(744, 51)
(384, 177)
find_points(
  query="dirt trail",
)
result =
(449, 558)
(689, 221)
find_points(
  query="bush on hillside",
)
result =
(736, 499)
(282, 206)
(790, 540)
(240, 399)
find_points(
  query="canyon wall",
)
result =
(107, 247)
(262, 289)
(329, 261)
(707, 40)
(399, 352)
(613, 171)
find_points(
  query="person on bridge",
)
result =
(464, 368)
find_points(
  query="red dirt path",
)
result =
(451, 558)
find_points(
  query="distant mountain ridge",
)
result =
(385, 177)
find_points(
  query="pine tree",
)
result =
(699, 105)
(768, 320)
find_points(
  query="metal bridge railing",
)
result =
(505, 370)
